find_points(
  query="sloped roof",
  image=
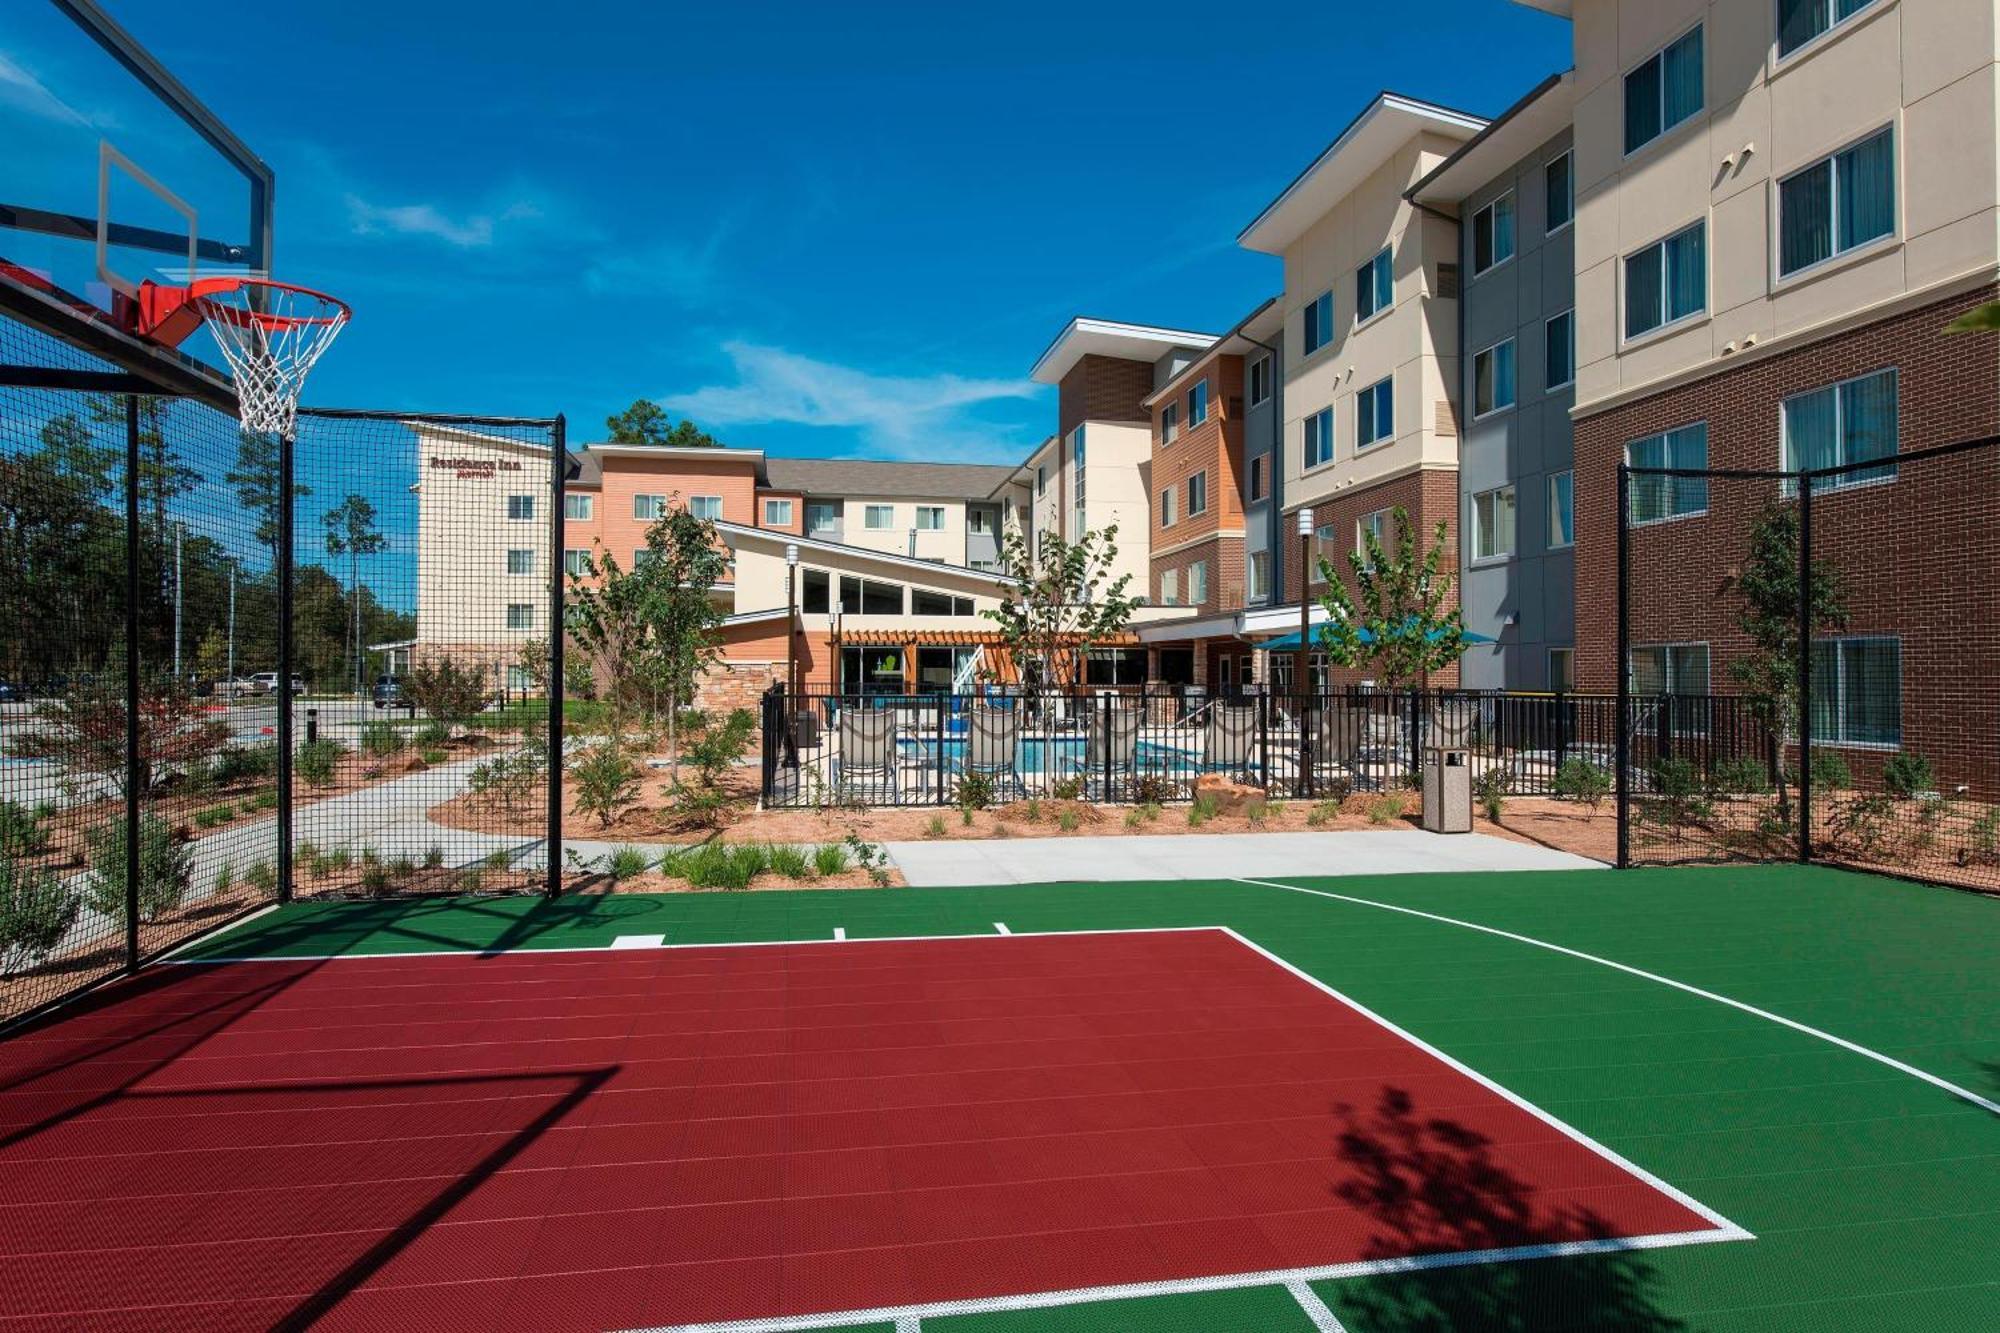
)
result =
(860, 476)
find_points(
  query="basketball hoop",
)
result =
(271, 333)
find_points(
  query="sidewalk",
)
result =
(1217, 856)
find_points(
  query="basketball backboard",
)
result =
(117, 175)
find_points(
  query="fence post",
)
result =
(773, 707)
(1621, 749)
(1264, 735)
(135, 770)
(943, 716)
(1104, 711)
(1805, 633)
(1562, 730)
(1416, 730)
(558, 631)
(287, 502)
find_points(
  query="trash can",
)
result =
(1447, 791)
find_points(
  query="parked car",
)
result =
(388, 692)
(12, 693)
(266, 682)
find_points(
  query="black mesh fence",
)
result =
(146, 553)
(1807, 666)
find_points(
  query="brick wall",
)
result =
(1916, 555)
(1225, 573)
(1103, 388)
(1430, 495)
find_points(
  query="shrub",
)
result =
(1830, 771)
(1152, 810)
(870, 858)
(606, 781)
(1133, 819)
(23, 832)
(338, 858)
(1742, 776)
(166, 869)
(471, 879)
(1195, 817)
(446, 692)
(719, 746)
(1208, 804)
(829, 859)
(790, 862)
(1067, 789)
(1386, 809)
(1581, 780)
(499, 860)
(1680, 797)
(1906, 774)
(37, 908)
(747, 860)
(965, 816)
(262, 878)
(245, 763)
(214, 816)
(1323, 813)
(225, 879)
(433, 736)
(315, 761)
(381, 739)
(975, 791)
(433, 857)
(1336, 790)
(1068, 820)
(1860, 823)
(263, 800)
(1034, 810)
(1985, 834)
(1491, 792)
(375, 879)
(625, 863)
(1154, 789)
(935, 829)
(1256, 811)
(431, 757)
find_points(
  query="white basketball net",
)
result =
(271, 334)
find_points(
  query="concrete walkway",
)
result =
(1217, 856)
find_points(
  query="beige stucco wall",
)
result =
(1116, 455)
(946, 544)
(1416, 341)
(1927, 67)
(464, 534)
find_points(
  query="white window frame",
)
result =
(697, 503)
(1840, 694)
(576, 561)
(1838, 258)
(888, 523)
(1514, 208)
(1479, 527)
(1324, 417)
(1170, 587)
(1369, 392)
(1659, 53)
(937, 516)
(778, 513)
(1823, 485)
(833, 507)
(645, 512)
(1257, 575)
(1261, 370)
(1661, 434)
(526, 620)
(1041, 479)
(529, 563)
(1570, 315)
(1570, 221)
(1314, 345)
(1170, 423)
(1513, 389)
(526, 503)
(1197, 400)
(1781, 57)
(1361, 320)
(1556, 541)
(1197, 587)
(1167, 507)
(1197, 488)
(1697, 316)
(578, 506)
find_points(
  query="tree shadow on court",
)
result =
(1433, 1188)
(455, 924)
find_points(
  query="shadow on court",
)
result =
(1433, 1186)
(456, 924)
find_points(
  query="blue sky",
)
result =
(819, 229)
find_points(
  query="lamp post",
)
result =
(791, 618)
(1302, 663)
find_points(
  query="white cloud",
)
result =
(473, 232)
(899, 416)
(19, 88)
(666, 267)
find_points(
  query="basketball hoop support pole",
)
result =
(284, 577)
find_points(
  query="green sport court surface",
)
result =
(1534, 1077)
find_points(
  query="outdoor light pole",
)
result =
(791, 618)
(1302, 663)
(178, 678)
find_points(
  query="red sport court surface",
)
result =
(656, 1137)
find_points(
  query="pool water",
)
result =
(1067, 752)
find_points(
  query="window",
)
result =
(520, 562)
(1374, 525)
(577, 507)
(1493, 379)
(1493, 234)
(576, 562)
(1655, 498)
(1324, 537)
(1374, 287)
(980, 520)
(1562, 509)
(1041, 478)
(1667, 281)
(1319, 437)
(1673, 668)
(1076, 452)
(1375, 414)
(1319, 322)
(1562, 670)
(1560, 192)
(822, 516)
(520, 615)
(930, 518)
(1260, 380)
(1559, 350)
(705, 506)
(1197, 404)
(643, 557)
(1115, 666)
(924, 602)
(648, 507)
(777, 513)
(1493, 524)
(1170, 587)
(1857, 687)
(1800, 21)
(869, 598)
(1197, 494)
(1197, 583)
(1850, 422)
(520, 508)
(1258, 478)
(1257, 575)
(1170, 423)
(1167, 507)
(816, 591)
(1837, 204)
(1663, 92)
(879, 517)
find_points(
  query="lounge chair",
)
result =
(1232, 740)
(993, 745)
(1111, 748)
(1339, 736)
(869, 758)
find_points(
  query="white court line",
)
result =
(1000, 928)
(909, 1324)
(639, 942)
(1965, 1094)
(1322, 1318)
(840, 932)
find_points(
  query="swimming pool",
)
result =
(1038, 752)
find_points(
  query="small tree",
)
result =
(1401, 617)
(1767, 610)
(1060, 601)
(646, 423)
(447, 692)
(166, 869)
(84, 731)
(37, 908)
(606, 780)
